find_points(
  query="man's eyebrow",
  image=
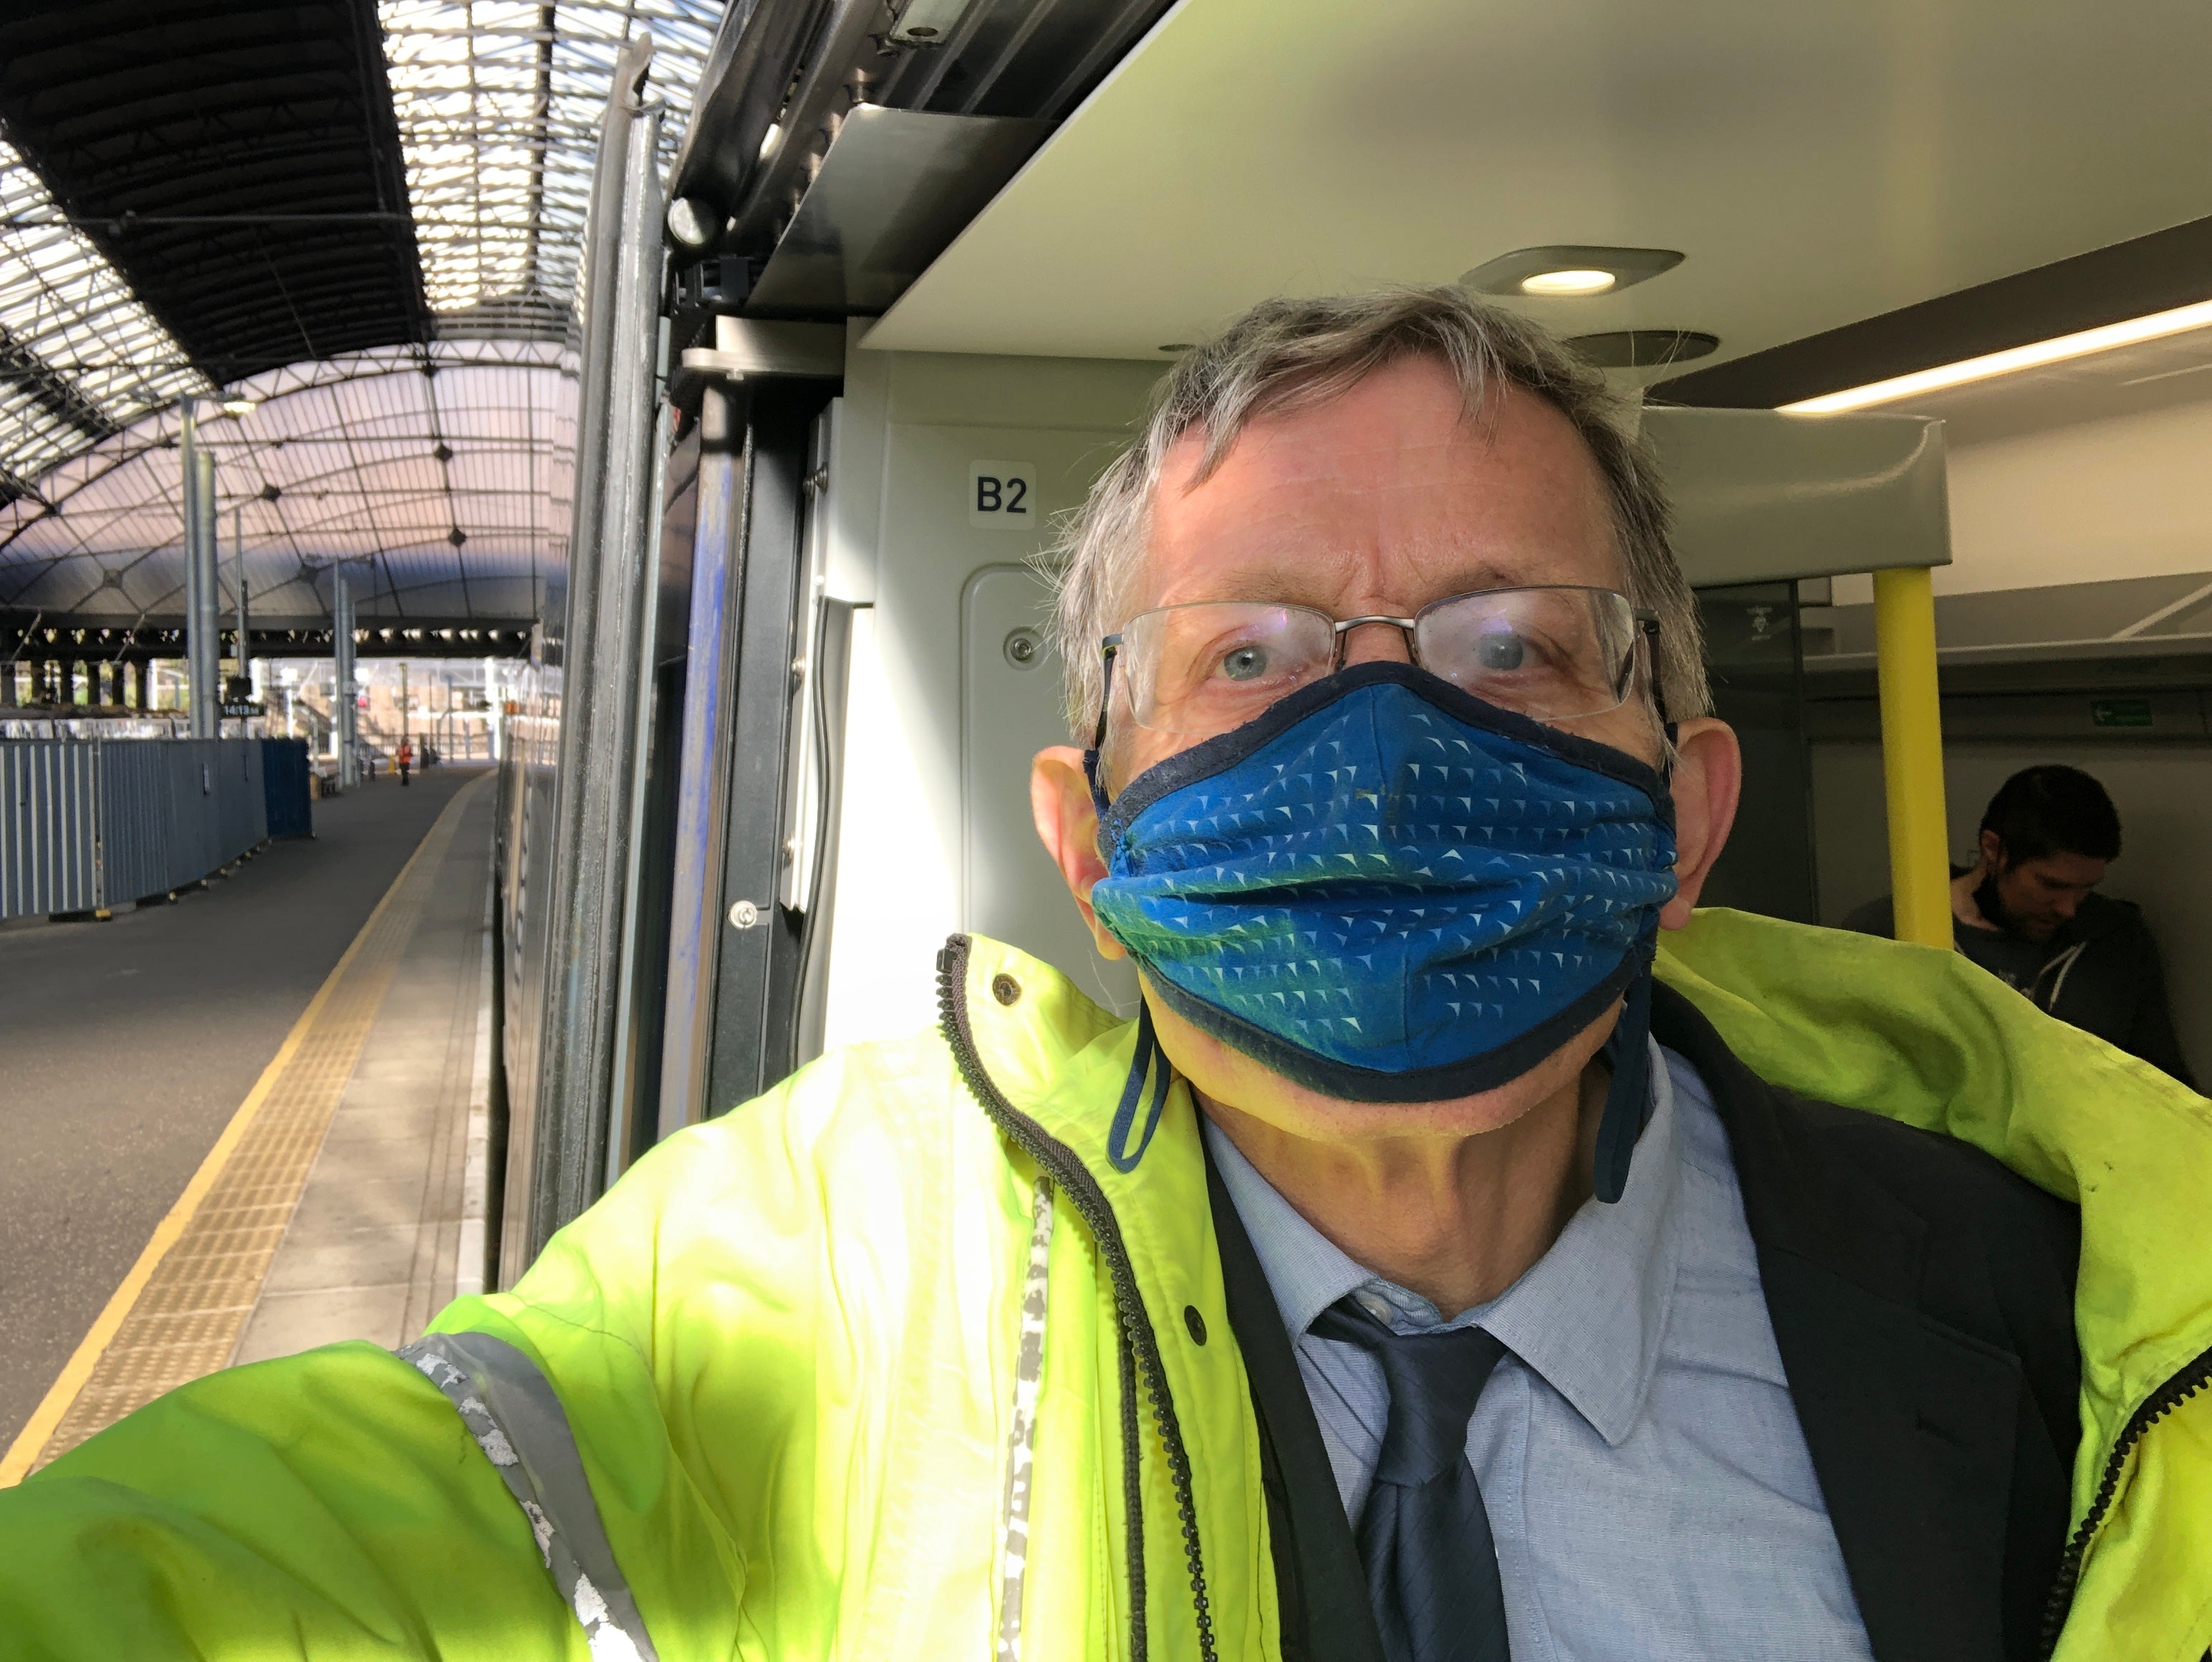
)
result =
(1272, 584)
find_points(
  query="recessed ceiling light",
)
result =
(926, 22)
(2057, 350)
(1568, 270)
(1585, 280)
(240, 406)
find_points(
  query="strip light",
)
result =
(2057, 350)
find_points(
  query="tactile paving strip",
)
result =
(196, 1304)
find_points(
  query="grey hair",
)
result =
(1290, 355)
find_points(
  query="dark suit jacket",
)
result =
(1923, 1299)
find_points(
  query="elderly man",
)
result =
(1413, 1280)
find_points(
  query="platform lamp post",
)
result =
(342, 694)
(244, 649)
(202, 664)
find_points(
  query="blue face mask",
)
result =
(1390, 890)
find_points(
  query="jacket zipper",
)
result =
(1140, 1345)
(2161, 1402)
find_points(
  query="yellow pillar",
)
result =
(1913, 754)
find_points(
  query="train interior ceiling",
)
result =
(915, 271)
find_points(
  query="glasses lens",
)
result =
(1209, 668)
(1547, 653)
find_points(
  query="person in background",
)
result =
(406, 759)
(2027, 911)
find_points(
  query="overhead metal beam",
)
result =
(52, 391)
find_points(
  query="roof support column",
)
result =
(201, 662)
(245, 647)
(342, 694)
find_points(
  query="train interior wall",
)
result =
(2074, 614)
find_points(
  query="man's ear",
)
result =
(1068, 826)
(1708, 779)
(1992, 847)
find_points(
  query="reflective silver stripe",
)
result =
(512, 1411)
(1021, 1440)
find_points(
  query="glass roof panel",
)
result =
(499, 105)
(340, 460)
(79, 356)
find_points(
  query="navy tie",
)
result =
(1425, 1536)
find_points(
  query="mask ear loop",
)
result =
(1111, 647)
(1628, 1099)
(1148, 1060)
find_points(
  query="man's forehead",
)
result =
(1313, 572)
(1413, 402)
(2062, 866)
(1389, 487)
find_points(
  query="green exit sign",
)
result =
(2120, 713)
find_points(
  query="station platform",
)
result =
(239, 1126)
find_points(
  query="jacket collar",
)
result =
(1049, 1066)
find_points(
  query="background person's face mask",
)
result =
(1387, 890)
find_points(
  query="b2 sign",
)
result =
(1002, 495)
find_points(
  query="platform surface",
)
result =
(127, 1048)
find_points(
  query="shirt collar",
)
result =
(1588, 1316)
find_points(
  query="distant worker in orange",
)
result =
(406, 759)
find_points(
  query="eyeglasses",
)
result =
(1550, 653)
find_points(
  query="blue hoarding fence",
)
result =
(285, 784)
(87, 825)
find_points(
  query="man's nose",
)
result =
(2068, 905)
(1369, 643)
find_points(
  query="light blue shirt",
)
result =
(1645, 1474)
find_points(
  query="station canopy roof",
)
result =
(362, 218)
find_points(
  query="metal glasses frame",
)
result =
(1646, 621)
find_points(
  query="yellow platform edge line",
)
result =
(62, 1395)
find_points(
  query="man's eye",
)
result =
(1246, 663)
(1501, 652)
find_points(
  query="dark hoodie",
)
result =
(2100, 972)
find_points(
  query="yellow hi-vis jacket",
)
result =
(835, 1377)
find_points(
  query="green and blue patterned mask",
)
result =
(1388, 891)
